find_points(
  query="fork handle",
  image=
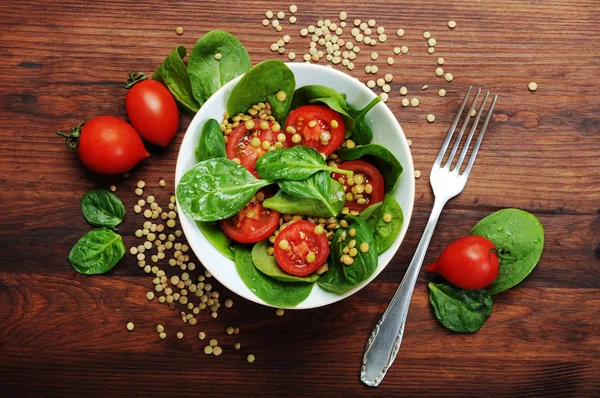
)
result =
(384, 342)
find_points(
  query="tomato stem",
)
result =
(135, 78)
(72, 139)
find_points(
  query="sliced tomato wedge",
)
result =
(366, 187)
(299, 250)
(319, 127)
(254, 222)
(240, 143)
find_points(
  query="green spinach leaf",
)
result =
(361, 133)
(288, 204)
(385, 232)
(215, 189)
(212, 142)
(268, 265)
(320, 187)
(261, 84)
(519, 237)
(460, 310)
(270, 290)
(97, 252)
(315, 93)
(173, 74)
(215, 235)
(341, 278)
(207, 73)
(296, 163)
(102, 208)
(380, 157)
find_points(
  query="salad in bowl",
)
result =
(295, 185)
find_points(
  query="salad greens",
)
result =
(268, 265)
(296, 163)
(97, 252)
(385, 233)
(215, 189)
(262, 83)
(460, 310)
(271, 290)
(207, 73)
(361, 133)
(102, 208)
(288, 204)
(341, 277)
(320, 186)
(212, 142)
(380, 157)
(173, 74)
(519, 236)
(215, 235)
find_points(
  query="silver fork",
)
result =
(446, 182)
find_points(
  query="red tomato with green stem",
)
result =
(364, 188)
(254, 222)
(316, 126)
(299, 250)
(470, 262)
(151, 109)
(106, 145)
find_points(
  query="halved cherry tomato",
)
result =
(366, 187)
(299, 250)
(470, 262)
(246, 144)
(253, 223)
(319, 126)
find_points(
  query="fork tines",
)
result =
(467, 119)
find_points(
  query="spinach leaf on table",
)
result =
(207, 74)
(341, 278)
(97, 252)
(268, 265)
(320, 186)
(385, 233)
(288, 204)
(361, 133)
(519, 237)
(173, 74)
(215, 235)
(215, 189)
(296, 163)
(460, 310)
(261, 84)
(270, 290)
(380, 157)
(102, 208)
(212, 142)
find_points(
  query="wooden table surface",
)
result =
(64, 334)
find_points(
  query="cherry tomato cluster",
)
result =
(109, 145)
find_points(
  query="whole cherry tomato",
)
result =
(106, 145)
(470, 262)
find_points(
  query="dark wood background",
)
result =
(64, 334)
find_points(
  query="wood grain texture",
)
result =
(63, 334)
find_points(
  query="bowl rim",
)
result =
(408, 173)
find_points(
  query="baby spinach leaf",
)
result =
(97, 252)
(460, 310)
(212, 142)
(361, 133)
(288, 204)
(379, 156)
(173, 74)
(311, 93)
(215, 189)
(268, 265)
(261, 84)
(270, 290)
(385, 233)
(215, 235)
(340, 277)
(519, 236)
(208, 74)
(102, 208)
(320, 187)
(296, 163)
(371, 214)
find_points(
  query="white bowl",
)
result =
(386, 131)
